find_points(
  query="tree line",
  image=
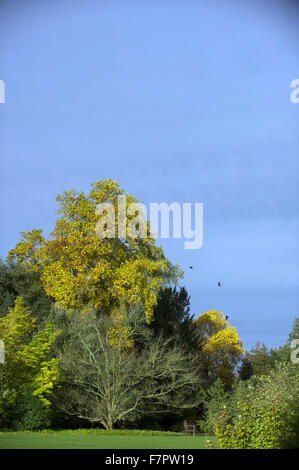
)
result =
(98, 333)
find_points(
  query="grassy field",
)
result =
(99, 439)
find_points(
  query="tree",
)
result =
(294, 334)
(221, 405)
(111, 383)
(80, 270)
(28, 360)
(7, 290)
(215, 399)
(17, 281)
(246, 369)
(261, 360)
(219, 347)
(283, 353)
(29, 413)
(172, 318)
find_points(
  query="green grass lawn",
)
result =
(99, 439)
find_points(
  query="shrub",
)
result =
(221, 405)
(29, 414)
(216, 403)
(267, 415)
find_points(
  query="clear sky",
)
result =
(185, 101)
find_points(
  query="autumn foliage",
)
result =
(80, 270)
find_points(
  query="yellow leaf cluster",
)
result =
(219, 344)
(80, 270)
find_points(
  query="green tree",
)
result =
(172, 318)
(294, 334)
(261, 360)
(28, 359)
(17, 281)
(246, 369)
(221, 405)
(29, 413)
(283, 353)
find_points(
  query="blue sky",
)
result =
(185, 101)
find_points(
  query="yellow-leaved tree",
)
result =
(80, 270)
(219, 346)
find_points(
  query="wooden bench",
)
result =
(189, 428)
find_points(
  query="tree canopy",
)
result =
(172, 318)
(219, 346)
(80, 270)
(17, 281)
(110, 383)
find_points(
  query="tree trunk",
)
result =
(108, 424)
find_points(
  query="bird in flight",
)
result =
(226, 317)
(190, 267)
(219, 284)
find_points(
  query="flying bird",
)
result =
(226, 317)
(219, 284)
(191, 267)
